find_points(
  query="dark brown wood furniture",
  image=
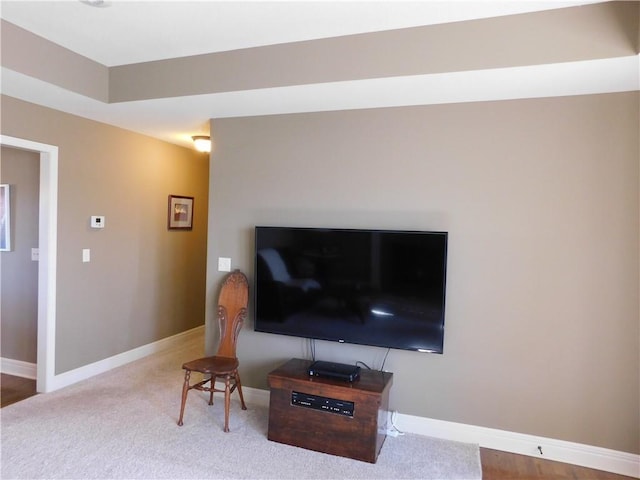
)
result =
(359, 436)
(232, 310)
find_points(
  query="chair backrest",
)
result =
(232, 310)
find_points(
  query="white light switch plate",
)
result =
(86, 255)
(224, 264)
(35, 254)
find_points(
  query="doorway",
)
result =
(20, 176)
(47, 244)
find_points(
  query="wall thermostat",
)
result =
(97, 221)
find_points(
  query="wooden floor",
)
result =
(496, 465)
(13, 389)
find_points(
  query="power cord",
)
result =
(394, 431)
(384, 360)
(312, 348)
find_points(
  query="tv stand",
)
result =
(348, 419)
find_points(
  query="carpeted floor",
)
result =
(122, 424)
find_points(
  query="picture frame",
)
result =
(180, 213)
(5, 217)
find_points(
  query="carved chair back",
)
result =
(232, 311)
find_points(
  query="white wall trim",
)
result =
(87, 371)
(18, 368)
(598, 458)
(48, 241)
(256, 396)
(558, 450)
(589, 456)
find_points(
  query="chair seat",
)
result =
(215, 364)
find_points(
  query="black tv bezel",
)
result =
(440, 233)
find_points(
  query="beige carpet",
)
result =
(122, 424)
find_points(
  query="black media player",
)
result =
(325, 404)
(336, 371)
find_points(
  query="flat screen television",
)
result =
(371, 287)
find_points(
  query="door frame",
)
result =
(47, 243)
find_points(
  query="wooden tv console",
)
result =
(358, 434)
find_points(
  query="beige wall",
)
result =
(143, 283)
(540, 199)
(36, 57)
(586, 32)
(19, 294)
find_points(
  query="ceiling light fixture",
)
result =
(96, 3)
(202, 143)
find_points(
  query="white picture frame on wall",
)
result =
(5, 217)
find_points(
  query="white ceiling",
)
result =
(126, 32)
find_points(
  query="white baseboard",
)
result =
(18, 368)
(72, 376)
(256, 396)
(598, 458)
(589, 456)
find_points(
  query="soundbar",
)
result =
(338, 371)
(317, 402)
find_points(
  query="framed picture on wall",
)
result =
(5, 218)
(180, 215)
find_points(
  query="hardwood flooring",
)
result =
(13, 389)
(496, 465)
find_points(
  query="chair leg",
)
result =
(239, 387)
(185, 391)
(212, 385)
(227, 401)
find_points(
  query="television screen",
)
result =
(371, 287)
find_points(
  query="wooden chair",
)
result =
(232, 310)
